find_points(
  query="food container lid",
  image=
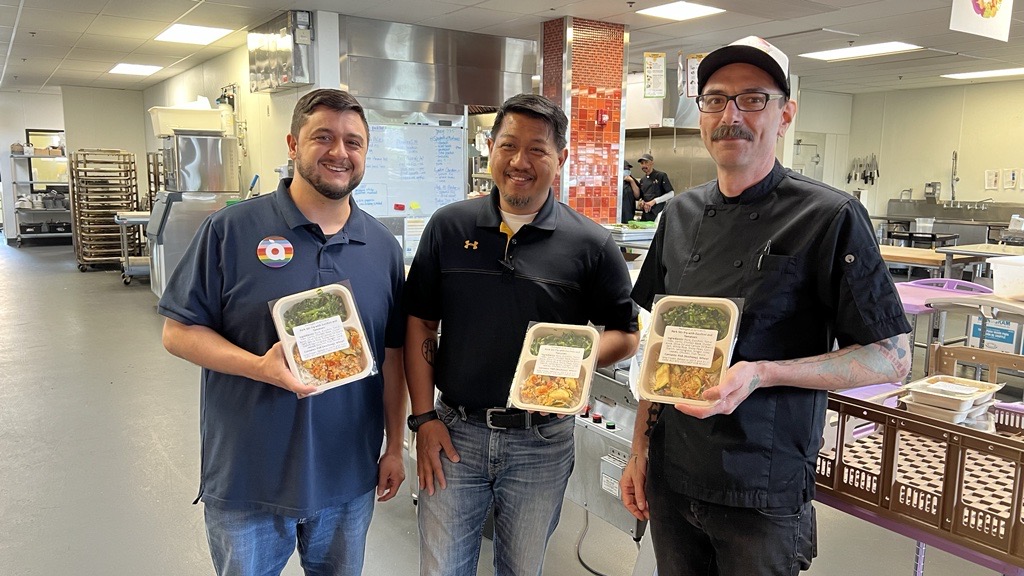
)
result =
(688, 349)
(556, 365)
(323, 336)
(952, 392)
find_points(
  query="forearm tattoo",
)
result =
(429, 349)
(652, 417)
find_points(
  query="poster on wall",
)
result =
(688, 73)
(1009, 178)
(654, 74)
(988, 18)
(991, 179)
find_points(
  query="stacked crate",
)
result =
(103, 182)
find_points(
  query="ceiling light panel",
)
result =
(680, 11)
(134, 69)
(189, 34)
(986, 74)
(865, 51)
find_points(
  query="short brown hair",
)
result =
(332, 98)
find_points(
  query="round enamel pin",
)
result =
(275, 251)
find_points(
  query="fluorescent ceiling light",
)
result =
(680, 11)
(187, 34)
(134, 69)
(865, 51)
(986, 74)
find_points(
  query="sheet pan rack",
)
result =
(103, 183)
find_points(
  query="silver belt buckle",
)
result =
(491, 412)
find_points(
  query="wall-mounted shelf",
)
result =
(32, 223)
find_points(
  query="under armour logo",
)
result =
(472, 245)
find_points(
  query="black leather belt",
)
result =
(503, 418)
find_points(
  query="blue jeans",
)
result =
(522, 472)
(697, 538)
(256, 543)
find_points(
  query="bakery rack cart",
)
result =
(103, 183)
(134, 259)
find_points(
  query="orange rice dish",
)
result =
(334, 366)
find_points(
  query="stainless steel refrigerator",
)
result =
(201, 175)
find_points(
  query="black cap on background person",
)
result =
(646, 158)
(750, 50)
(627, 165)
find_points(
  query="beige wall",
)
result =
(914, 133)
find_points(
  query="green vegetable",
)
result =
(641, 224)
(323, 305)
(697, 316)
(567, 340)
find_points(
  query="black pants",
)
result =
(696, 538)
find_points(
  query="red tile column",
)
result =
(583, 69)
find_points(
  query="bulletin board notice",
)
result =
(413, 169)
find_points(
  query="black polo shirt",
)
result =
(486, 286)
(821, 280)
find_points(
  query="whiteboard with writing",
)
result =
(412, 170)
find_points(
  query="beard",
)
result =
(731, 131)
(308, 171)
(515, 201)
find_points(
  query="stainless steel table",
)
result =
(982, 250)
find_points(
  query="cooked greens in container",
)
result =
(688, 350)
(555, 367)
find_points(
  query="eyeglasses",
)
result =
(746, 102)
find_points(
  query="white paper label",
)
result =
(320, 337)
(559, 361)
(951, 388)
(610, 485)
(688, 346)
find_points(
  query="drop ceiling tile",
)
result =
(400, 11)
(470, 19)
(22, 50)
(105, 56)
(233, 40)
(527, 27)
(62, 76)
(163, 10)
(127, 27)
(86, 65)
(224, 16)
(57, 21)
(176, 49)
(524, 6)
(85, 6)
(8, 14)
(104, 42)
(47, 38)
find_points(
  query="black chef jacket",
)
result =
(654, 185)
(820, 280)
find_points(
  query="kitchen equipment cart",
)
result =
(134, 260)
(946, 485)
(37, 221)
(103, 183)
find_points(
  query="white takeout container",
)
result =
(305, 369)
(656, 341)
(951, 392)
(519, 395)
(951, 416)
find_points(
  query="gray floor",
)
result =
(99, 449)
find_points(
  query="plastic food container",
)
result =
(688, 349)
(951, 393)
(951, 416)
(1007, 275)
(323, 337)
(555, 367)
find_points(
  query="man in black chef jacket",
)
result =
(655, 189)
(727, 487)
(630, 193)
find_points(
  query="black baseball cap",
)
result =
(751, 50)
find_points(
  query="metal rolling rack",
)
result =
(103, 182)
(155, 180)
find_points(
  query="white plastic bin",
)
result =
(923, 224)
(1007, 275)
(167, 119)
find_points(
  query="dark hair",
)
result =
(337, 100)
(538, 107)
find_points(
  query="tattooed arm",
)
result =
(432, 437)
(631, 484)
(851, 367)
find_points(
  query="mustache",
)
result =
(731, 131)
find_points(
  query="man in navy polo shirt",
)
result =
(485, 268)
(280, 469)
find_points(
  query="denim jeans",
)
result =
(697, 538)
(256, 543)
(522, 472)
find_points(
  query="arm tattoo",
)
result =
(754, 383)
(429, 349)
(652, 417)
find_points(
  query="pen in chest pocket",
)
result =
(764, 252)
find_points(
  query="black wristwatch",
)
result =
(416, 421)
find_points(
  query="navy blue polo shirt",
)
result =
(262, 447)
(486, 286)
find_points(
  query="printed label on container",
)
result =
(559, 361)
(688, 346)
(320, 337)
(950, 388)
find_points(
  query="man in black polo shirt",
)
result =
(655, 189)
(727, 487)
(485, 269)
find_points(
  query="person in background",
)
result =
(630, 193)
(728, 487)
(655, 189)
(484, 270)
(281, 470)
